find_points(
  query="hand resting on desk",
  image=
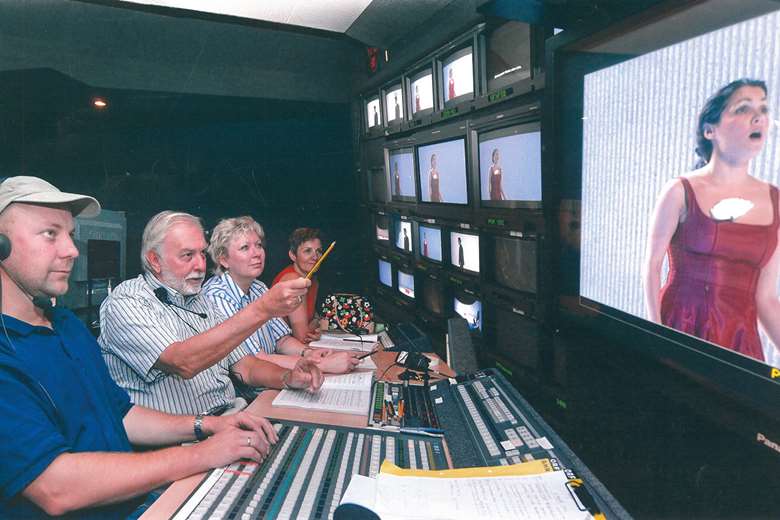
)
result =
(234, 437)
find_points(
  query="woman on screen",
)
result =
(433, 181)
(719, 227)
(417, 98)
(396, 178)
(451, 86)
(496, 175)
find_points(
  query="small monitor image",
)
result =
(406, 283)
(464, 251)
(421, 91)
(403, 234)
(433, 296)
(470, 309)
(373, 114)
(430, 242)
(515, 263)
(510, 165)
(385, 273)
(508, 54)
(457, 75)
(442, 168)
(382, 225)
(394, 104)
(400, 165)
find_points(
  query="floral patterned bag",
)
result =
(348, 312)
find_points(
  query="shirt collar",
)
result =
(232, 286)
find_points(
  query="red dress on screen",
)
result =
(434, 185)
(713, 273)
(451, 89)
(496, 191)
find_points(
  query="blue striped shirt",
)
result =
(136, 328)
(224, 293)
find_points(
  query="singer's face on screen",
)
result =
(433, 162)
(743, 125)
(245, 256)
(183, 261)
(42, 251)
(307, 255)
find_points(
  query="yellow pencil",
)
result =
(319, 262)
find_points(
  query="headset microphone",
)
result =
(162, 295)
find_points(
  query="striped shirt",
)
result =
(136, 328)
(225, 294)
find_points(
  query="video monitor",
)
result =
(430, 242)
(508, 54)
(457, 76)
(382, 227)
(433, 296)
(403, 234)
(442, 168)
(510, 166)
(656, 117)
(394, 104)
(373, 113)
(421, 92)
(400, 167)
(406, 283)
(464, 251)
(517, 338)
(385, 273)
(470, 309)
(515, 263)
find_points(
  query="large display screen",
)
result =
(400, 165)
(373, 114)
(515, 263)
(510, 166)
(457, 75)
(679, 212)
(421, 92)
(430, 242)
(464, 251)
(394, 104)
(442, 168)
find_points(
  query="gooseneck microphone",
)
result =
(162, 295)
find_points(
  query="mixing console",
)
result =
(307, 471)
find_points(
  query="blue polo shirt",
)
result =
(55, 397)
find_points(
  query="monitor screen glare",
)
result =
(443, 172)
(471, 312)
(401, 163)
(372, 113)
(403, 237)
(510, 165)
(422, 92)
(394, 104)
(516, 263)
(385, 273)
(406, 284)
(458, 75)
(430, 243)
(464, 251)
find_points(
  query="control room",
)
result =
(390, 259)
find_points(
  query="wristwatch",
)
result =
(198, 427)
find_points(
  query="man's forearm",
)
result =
(77, 480)
(189, 357)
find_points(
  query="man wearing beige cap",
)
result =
(66, 428)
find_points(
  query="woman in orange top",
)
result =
(305, 250)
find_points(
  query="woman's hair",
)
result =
(224, 232)
(493, 154)
(710, 114)
(156, 230)
(301, 235)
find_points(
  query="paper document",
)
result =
(338, 344)
(506, 496)
(345, 336)
(346, 393)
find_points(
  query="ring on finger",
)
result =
(249, 442)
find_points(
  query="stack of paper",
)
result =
(529, 490)
(347, 393)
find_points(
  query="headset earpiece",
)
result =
(5, 247)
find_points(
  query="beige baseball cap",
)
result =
(33, 190)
